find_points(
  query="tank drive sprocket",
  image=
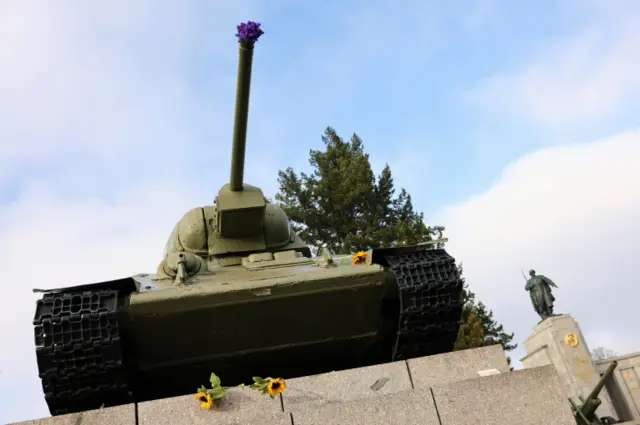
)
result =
(430, 295)
(79, 350)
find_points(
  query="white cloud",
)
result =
(49, 241)
(101, 83)
(571, 213)
(588, 75)
(62, 80)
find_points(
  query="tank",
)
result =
(238, 293)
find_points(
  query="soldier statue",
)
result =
(539, 288)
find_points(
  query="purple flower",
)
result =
(249, 32)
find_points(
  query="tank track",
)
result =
(430, 293)
(79, 351)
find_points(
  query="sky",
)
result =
(511, 123)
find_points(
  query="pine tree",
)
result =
(342, 204)
(471, 333)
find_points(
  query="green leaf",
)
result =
(259, 380)
(215, 381)
(260, 386)
(217, 393)
(216, 401)
(202, 389)
(241, 386)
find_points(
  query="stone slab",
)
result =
(240, 406)
(524, 397)
(456, 366)
(404, 408)
(118, 415)
(346, 385)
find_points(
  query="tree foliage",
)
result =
(471, 332)
(601, 353)
(492, 332)
(342, 204)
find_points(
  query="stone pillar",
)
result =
(558, 341)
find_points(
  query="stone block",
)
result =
(240, 406)
(118, 415)
(346, 385)
(525, 397)
(404, 408)
(456, 366)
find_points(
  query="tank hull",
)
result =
(137, 339)
(282, 322)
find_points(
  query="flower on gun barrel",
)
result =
(248, 33)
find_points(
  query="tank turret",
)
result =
(241, 220)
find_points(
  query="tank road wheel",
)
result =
(79, 351)
(430, 296)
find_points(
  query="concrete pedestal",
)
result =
(558, 341)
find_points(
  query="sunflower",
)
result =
(359, 258)
(205, 400)
(276, 386)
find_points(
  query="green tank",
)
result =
(238, 293)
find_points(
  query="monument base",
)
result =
(558, 341)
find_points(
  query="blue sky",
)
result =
(514, 124)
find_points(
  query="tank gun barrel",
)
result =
(248, 34)
(596, 390)
(585, 414)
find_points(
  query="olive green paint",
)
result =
(271, 309)
(243, 87)
(585, 413)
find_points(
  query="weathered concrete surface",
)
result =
(524, 397)
(404, 408)
(624, 385)
(456, 366)
(119, 415)
(346, 385)
(241, 406)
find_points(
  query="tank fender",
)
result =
(124, 286)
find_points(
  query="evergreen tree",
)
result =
(342, 205)
(471, 333)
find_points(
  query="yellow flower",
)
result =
(359, 258)
(205, 400)
(276, 386)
